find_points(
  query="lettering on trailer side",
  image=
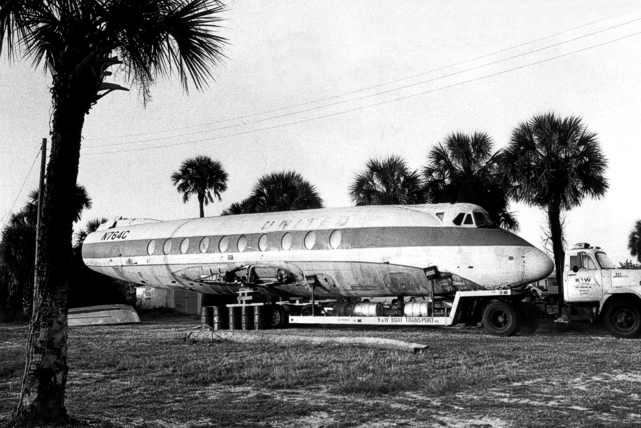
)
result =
(404, 320)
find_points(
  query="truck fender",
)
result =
(622, 293)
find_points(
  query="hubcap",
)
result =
(624, 319)
(499, 319)
(275, 317)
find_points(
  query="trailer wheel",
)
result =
(306, 311)
(623, 319)
(277, 317)
(501, 319)
(529, 319)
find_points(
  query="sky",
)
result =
(320, 87)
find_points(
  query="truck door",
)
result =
(584, 283)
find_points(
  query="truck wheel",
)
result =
(501, 319)
(529, 319)
(623, 319)
(277, 317)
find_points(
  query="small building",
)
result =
(188, 302)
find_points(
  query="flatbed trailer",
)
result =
(503, 312)
(449, 316)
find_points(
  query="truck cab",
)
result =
(594, 287)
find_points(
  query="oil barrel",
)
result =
(339, 309)
(234, 318)
(348, 311)
(366, 309)
(260, 320)
(416, 309)
(247, 317)
(207, 316)
(221, 318)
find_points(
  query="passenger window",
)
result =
(440, 216)
(167, 247)
(458, 219)
(468, 219)
(262, 242)
(242, 243)
(223, 244)
(184, 245)
(286, 242)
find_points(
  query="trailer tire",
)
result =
(277, 316)
(306, 311)
(501, 319)
(529, 319)
(623, 319)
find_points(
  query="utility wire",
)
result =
(369, 87)
(6, 217)
(371, 105)
(370, 95)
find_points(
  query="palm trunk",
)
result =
(201, 202)
(556, 234)
(43, 389)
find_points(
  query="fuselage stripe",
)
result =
(353, 238)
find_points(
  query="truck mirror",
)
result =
(575, 269)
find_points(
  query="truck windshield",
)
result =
(604, 261)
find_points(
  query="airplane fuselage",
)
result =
(356, 252)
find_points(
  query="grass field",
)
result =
(146, 375)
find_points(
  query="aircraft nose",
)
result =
(538, 265)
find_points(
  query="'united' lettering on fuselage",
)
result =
(319, 222)
(112, 236)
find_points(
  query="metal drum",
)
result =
(247, 317)
(339, 309)
(207, 316)
(366, 309)
(416, 309)
(221, 318)
(234, 318)
(260, 321)
(348, 311)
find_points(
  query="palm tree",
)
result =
(634, 241)
(554, 163)
(200, 176)
(284, 191)
(17, 248)
(80, 202)
(90, 227)
(17, 254)
(244, 207)
(280, 191)
(464, 169)
(387, 182)
(77, 42)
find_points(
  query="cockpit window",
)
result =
(468, 219)
(458, 219)
(604, 261)
(482, 220)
